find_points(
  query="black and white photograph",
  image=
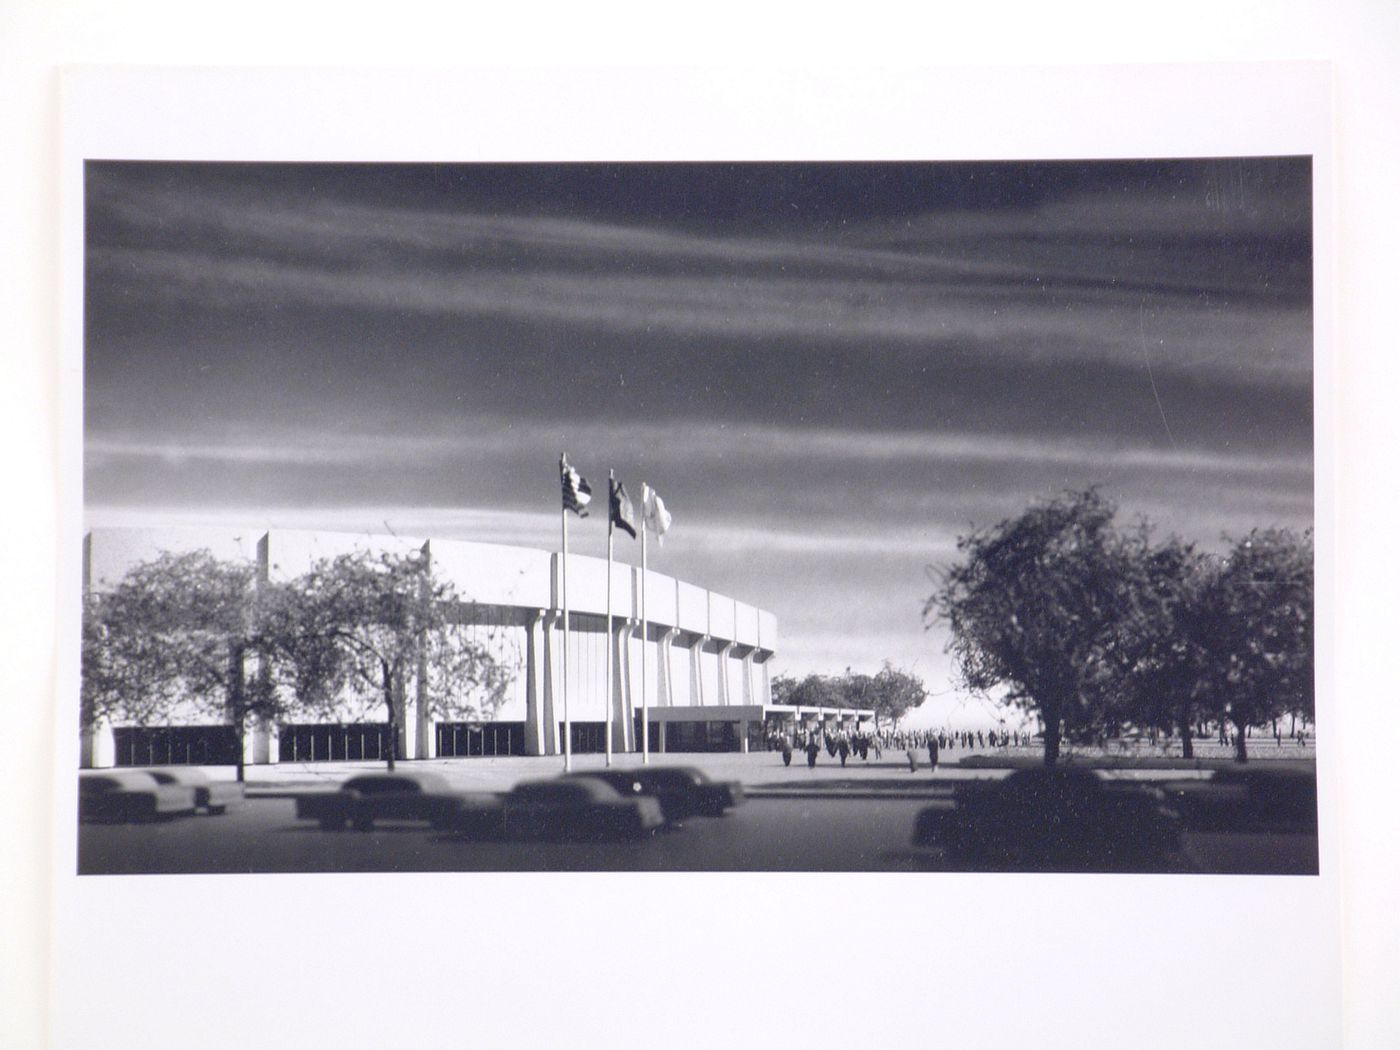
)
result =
(852, 515)
(699, 557)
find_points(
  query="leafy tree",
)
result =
(1257, 623)
(894, 693)
(365, 623)
(816, 690)
(1034, 609)
(1166, 640)
(891, 694)
(179, 627)
(782, 688)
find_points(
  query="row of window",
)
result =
(217, 745)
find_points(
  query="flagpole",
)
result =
(608, 643)
(646, 725)
(564, 601)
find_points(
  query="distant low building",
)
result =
(707, 658)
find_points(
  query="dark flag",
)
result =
(577, 494)
(621, 509)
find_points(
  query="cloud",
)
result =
(685, 443)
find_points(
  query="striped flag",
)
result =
(654, 512)
(577, 493)
(620, 507)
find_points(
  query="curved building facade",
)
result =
(703, 660)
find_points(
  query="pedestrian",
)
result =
(932, 751)
(786, 747)
(912, 753)
(843, 748)
(813, 748)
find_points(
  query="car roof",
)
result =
(179, 775)
(630, 778)
(123, 778)
(689, 774)
(593, 789)
(420, 781)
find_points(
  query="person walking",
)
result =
(786, 748)
(932, 751)
(912, 753)
(812, 749)
(843, 748)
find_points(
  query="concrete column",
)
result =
(665, 695)
(97, 748)
(407, 721)
(723, 657)
(553, 681)
(420, 713)
(661, 737)
(260, 743)
(697, 680)
(534, 682)
(743, 736)
(619, 652)
(748, 678)
(553, 707)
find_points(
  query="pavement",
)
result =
(762, 773)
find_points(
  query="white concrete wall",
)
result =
(721, 616)
(493, 574)
(292, 552)
(693, 608)
(508, 586)
(109, 553)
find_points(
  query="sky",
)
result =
(829, 371)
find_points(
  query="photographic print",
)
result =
(853, 516)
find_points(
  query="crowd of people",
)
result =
(845, 743)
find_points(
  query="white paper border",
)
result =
(700, 960)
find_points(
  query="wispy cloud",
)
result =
(685, 443)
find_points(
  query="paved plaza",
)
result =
(762, 771)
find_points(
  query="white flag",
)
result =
(654, 512)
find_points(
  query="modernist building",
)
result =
(706, 658)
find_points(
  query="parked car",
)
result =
(690, 791)
(411, 796)
(683, 791)
(212, 796)
(124, 795)
(1053, 819)
(1269, 797)
(578, 807)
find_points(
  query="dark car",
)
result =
(212, 796)
(690, 791)
(1254, 798)
(683, 791)
(1053, 819)
(122, 795)
(424, 797)
(578, 807)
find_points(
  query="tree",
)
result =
(1034, 608)
(365, 623)
(1163, 639)
(815, 690)
(180, 627)
(893, 694)
(1257, 622)
(782, 688)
